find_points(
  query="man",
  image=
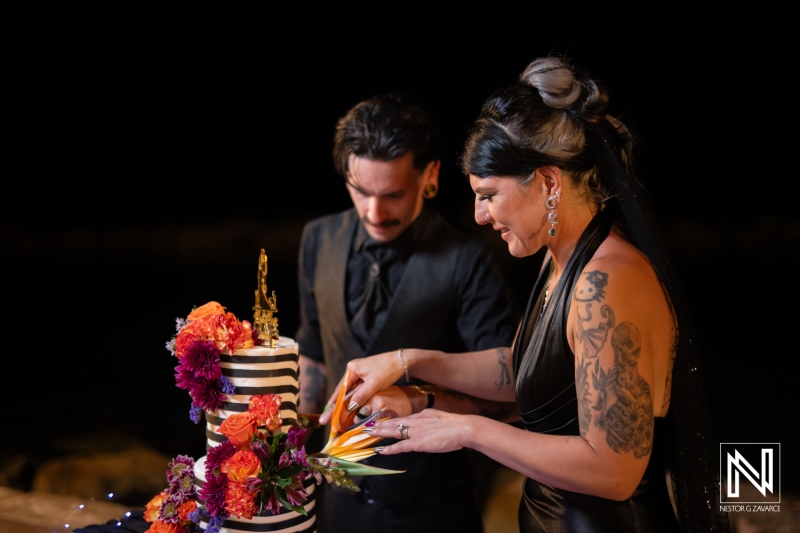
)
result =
(390, 273)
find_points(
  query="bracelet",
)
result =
(403, 364)
(430, 394)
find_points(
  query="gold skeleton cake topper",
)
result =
(266, 323)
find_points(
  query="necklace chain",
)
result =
(546, 294)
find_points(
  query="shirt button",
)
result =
(374, 270)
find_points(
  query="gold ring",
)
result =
(403, 431)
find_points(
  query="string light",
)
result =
(83, 507)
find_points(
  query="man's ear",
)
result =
(431, 174)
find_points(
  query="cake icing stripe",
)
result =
(215, 420)
(249, 359)
(276, 389)
(298, 519)
(275, 373)
(216, 437)
(228, 526)
(306, 523)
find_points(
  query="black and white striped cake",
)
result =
(257, 371)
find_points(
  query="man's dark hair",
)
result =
(385, 127)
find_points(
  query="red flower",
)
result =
(267, 410)
(199, 330)
(232, 334)
(160, 526)
(239, 501)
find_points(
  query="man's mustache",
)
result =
(385, 224)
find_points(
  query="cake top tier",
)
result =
(207, 335)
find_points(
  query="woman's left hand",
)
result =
(431, 431)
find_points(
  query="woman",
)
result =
(603, 373)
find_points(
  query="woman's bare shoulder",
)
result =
(621, 276)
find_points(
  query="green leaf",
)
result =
(352, 468)
(281, 497)
(291, 470)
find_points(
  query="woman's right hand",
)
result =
(365, 376)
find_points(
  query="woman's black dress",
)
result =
(547, 401)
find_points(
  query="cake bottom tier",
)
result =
(285, 522)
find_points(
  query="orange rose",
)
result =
(164, 527)
(239, 428)
(153, 506)
(187, 507)
(211, 308)
(241, 465)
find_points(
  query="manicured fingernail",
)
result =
(367, 429)
(351, 406)
(364, 411)
(379, 449)
(370, 423)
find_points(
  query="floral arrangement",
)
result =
(201, 338)
(259, 468)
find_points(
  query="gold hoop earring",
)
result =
(430, 191)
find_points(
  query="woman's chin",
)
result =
(519, 251)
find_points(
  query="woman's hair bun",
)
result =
(563, 86)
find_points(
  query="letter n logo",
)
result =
(748, 466)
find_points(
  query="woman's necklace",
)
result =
(546, 293)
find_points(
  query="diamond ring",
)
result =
(403, 431)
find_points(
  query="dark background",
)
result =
(154, 149)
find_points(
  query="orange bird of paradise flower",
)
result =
(349, 445)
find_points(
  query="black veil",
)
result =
(693, 465)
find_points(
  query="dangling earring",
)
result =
(430, 191)
(552, 217)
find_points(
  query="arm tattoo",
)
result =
(312, 392)
(592, 337)
(505, 374)
(629, 420)
(622, 399)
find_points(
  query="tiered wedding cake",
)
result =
(256, 475)
(259, 371)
